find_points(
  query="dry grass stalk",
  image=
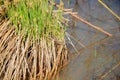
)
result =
(110, 10)
(24, 57)
(29, 59)
(81, 19)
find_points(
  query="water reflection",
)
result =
(101, 53)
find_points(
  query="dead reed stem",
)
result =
(28, 59)
(111, 11)
(81, 19)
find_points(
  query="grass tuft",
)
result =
(36, 18)
(32, 45)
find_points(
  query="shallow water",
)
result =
(101, 53)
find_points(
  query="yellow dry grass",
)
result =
(29, 59)
(23, 57)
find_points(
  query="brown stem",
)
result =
(80, 19)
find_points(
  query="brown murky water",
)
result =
(100, 59)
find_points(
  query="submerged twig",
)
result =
(79, 42)
(113, 68)
(71, 43)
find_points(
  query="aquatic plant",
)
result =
(32, 45)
